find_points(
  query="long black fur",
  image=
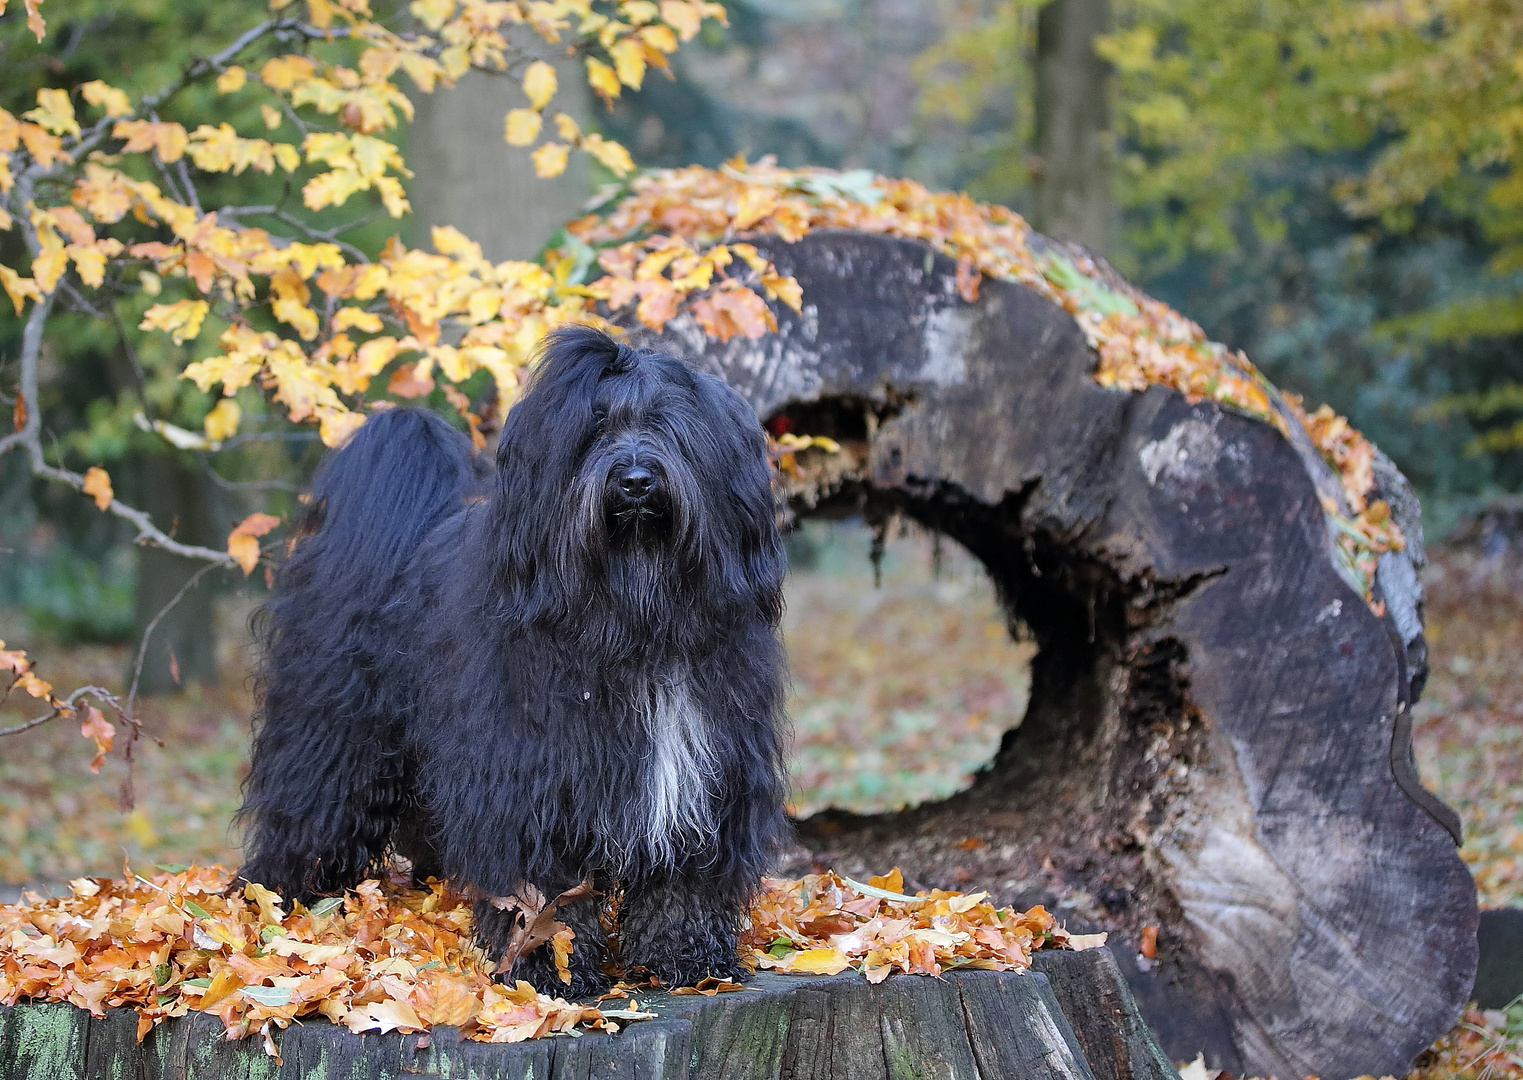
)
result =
(492, 672)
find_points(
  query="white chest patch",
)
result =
(681, 776)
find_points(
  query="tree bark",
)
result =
(1216, 741)
(1072, 171)
(1075, 1022)
(469, 177)
(183, 646)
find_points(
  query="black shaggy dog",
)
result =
(566, 668)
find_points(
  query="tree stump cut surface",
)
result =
(1069, 1019)
(1218, 729)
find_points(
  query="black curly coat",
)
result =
(568, 666)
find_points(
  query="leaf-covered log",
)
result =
(1069, 1019)
(1215, 765)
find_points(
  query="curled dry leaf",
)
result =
(97, 727)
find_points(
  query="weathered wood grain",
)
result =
(966, 1026)
(1209, 744)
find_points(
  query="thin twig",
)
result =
(142, 652)
(243, 485)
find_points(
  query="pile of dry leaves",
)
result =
(386, 957)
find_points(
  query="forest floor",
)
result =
(880, 720)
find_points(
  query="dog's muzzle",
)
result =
(635, 489)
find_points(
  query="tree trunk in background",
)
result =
(177, 499)
(1072, 177)
(469, 177)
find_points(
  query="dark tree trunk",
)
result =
(183, 646)
(1217, 737)
(1075, 1022)
(1072, 172)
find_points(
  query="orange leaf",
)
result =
(405, 382)
(97, 727)
(97, 485)
(242, 544)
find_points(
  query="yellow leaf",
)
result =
(332, 188)
(357, 318)
(659, 38)
(603, 79)
(181, 320)
(522, 127)
(685, 18)
(222, 422)
(335, 426)
(754, 204)
(550, 160)
(268, 901)
(629, 60)
(54, 111)
(97, 485)
(18, 288)
(271, 116)
(814, 962)
(114, 101)
(284, 72)
(223, 983)
(613, 156)
(539, 84)
(231, 80)
(388, 1015)
(567, 127)
(169, 139)
(639, 12)
(432, 13)
(784, 288)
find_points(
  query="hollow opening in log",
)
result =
(904, 675)
(1109, 740)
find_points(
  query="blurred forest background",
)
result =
(1331, 187)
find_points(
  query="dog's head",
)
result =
(628, 478)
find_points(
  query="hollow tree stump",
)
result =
(1069, 1019)
(1217, 737)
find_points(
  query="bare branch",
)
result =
(243, 485)
(100, 693)
(29, 438)
(142, 652)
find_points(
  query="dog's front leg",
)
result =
(589, 951)
(681, 928)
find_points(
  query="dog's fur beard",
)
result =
(567, 667)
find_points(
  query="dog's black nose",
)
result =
(636, 482)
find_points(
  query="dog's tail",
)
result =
(326, 789)
(371, 503)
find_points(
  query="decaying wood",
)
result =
(1058, 1022)
(1209, 745)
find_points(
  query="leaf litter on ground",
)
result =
(392, 957)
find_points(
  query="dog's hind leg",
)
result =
(681, 928)
(322, 801)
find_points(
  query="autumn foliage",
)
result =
(387, 957)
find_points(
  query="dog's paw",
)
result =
(582, 984)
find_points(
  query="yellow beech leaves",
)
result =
(387, 957)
